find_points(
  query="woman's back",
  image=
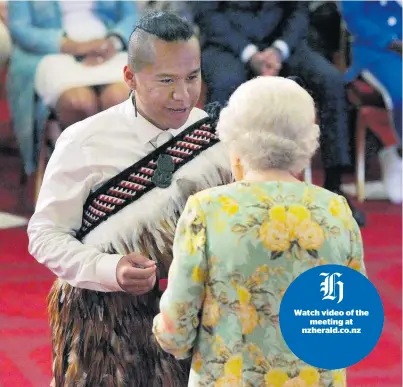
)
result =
(238, 247)
(259, 237)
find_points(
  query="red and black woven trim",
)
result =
(131, 184)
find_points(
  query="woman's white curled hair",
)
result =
(270, 123)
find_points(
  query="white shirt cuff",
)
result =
(248, 52)
(283, 48)
(106, 272)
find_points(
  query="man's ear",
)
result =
(129, 77)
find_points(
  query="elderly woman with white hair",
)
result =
(238, 247)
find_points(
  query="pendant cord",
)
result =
(134, 103)
(135, 112)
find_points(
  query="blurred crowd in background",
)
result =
(62, 62)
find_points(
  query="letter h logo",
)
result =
(332, 288)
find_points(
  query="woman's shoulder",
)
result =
(275, 193)
(271, 188)
(320, 199)
(325, 196)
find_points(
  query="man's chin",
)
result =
(178, 122)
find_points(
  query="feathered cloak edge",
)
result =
(121, 231)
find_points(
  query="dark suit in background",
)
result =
(227, 28)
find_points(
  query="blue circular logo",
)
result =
(331, 317)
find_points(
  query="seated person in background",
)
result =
(69, 53)
(5, 41)
(376, 28)
(324, 29)
(243, 39)
(221, 270)
(180, 8)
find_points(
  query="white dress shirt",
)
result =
(88, 154)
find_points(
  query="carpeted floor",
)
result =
(25, 356)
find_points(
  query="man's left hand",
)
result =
(273, 62)
(106, 50)
(92, 60)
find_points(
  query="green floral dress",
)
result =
(237, 249)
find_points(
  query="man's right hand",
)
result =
(267, 62)
(257, 63)
(136, 274)
(273, 62)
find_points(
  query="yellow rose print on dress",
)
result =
(249, 307)
(302, 229)
(249, 318)
(211, 310)
(261, 195)
(221, 351)
(243, 295)
(195, 236)
(310, 375)
(194, 242)
(298, 212)
(197, 362)
(335, 207)
(230, 206)
(219, 222)
(307, 197)
(310, 236)
(227, 368)
(275, 378)
(257, 358)
(264, 374)
(339, 208)
(287, 229)
(259, 242)
(198, 274)
(234, 366)
(227, 381)
(295, 382)
(278, 213)
(214, 295)
(275, 236)
(339, 379)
